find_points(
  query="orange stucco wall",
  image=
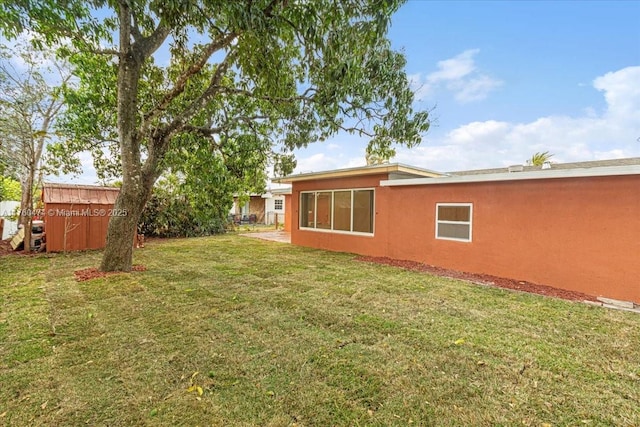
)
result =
(580, 234)
(336, 241)
(287, 212)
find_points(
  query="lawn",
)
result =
(233, 331)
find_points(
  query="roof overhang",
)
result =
(519, 176)
(397, 170)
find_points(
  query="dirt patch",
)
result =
(93, 273)
(484, 279)
(5, 247)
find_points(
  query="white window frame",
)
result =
(331, 230)
(469, 223)
(275, 205)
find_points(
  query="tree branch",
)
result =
(135, 29)
(181, 82)
(209, 131)
(191, 110)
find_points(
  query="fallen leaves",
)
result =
(194, 387)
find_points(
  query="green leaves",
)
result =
(219, 91)
(302, 71)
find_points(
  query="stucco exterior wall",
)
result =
(580, 234)
(331, 240)
(287, 212)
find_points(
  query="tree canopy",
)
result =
(30, 103)
(220, 89)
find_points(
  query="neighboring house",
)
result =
(76, 216)
(275, 205)
(261, 208)
(9, 208)
(250, 212)
(572, 226)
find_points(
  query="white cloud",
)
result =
(474, 89)
(321, 162)
(458, 75)
(454, 68)
(613, 133)
(621, 91)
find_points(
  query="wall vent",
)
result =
(516, 168)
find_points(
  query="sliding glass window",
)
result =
(343, 211)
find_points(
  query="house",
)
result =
(573, 226)
(267, 208)
(275, 204)
(251, 211)
(76, 216)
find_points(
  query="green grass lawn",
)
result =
(233, 331)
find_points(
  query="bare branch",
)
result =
(357, 129)
(135, 29)
(209, 131)
(189, 112)
(111, 52)
(181, 82)
(307, 95)
(205, 130)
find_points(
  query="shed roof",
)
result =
(79, 194)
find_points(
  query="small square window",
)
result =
(453, 221)
(277, 204)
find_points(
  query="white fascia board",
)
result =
(519, 176)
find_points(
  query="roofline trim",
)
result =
(357, 171)
(519, 176)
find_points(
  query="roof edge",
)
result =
(78, 186)
(520, 176)
(359, 171)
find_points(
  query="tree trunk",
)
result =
(118, 254)
(123, 223)
(26, 209)
(137, 182)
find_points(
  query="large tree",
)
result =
(30, 102)
(236, 84)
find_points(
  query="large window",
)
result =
(453, 221)
(346, 211)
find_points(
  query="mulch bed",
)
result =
(483, 279)
(93, 273)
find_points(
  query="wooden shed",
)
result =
(76, 216)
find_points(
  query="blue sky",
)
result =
(509, 79)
